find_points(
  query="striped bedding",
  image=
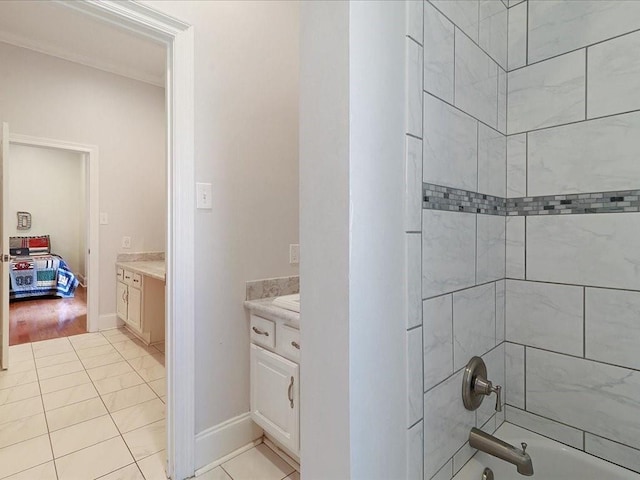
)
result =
(41, 275)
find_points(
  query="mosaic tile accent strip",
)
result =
(437, 197)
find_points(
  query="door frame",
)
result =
(178, 37)
(90, 157)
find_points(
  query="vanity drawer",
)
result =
(263, 332)
(289, 342)
(137, 280)
(128, 277)
(120, 274)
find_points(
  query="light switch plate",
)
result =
(204, 193)
(104, 218)
(294, 254)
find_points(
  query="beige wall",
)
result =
(44, 96)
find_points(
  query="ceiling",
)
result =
(54, 29)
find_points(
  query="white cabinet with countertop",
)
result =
(141, 298)
(275, 373)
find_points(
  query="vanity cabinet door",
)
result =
(121, 304)
(275, 404)
(134, 307)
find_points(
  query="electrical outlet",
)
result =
(294, 254)
(104, 218)
(126, 242)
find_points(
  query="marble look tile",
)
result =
(154, 465)
(88, 340)
(450, 155)
(59, 370)
(159, 386)
(493, 30)
(474, 323)
(558, 26)
(448, 251)
(19, 392)
(513, 3)
(518, 36)
(612, 331)
(609, 397)
(476, 81)
(10, 380)
(545, 315)
(543, 426)
(437, 340)
(146, 440)
(445, 473)
(492, 152)
(613, 452)
(130, 472)
(62, 398)
(517, 165)
(463, 13)
(462, 456)
(94, 461)
(502, 101)
(495, 361)
(219, 474)
(55, 359)
(613, 70)
(501, 294)
(64, 382)
(106, 371)
(128, 397)
(514, 373)
(413, 251)
(515, 247)
(414, 88)
(23, 366)
(46, 471)
(75, 413)
(100, 360)
(82, 435)
(446, 424)
(259, 462)
(490, 257)
(272, 287)
(22, 429)
(415, 440)
(86, 353)
(594, 156)
(51, 347)
(546, 94)
(24, 455)
(149, 367)
(414, 376)
(438, 54)
(19, 353)
(139, 415)
(593, 250)
(413, 184)
(414, 20)
(26, 408)
(113, 384)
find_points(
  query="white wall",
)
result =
(48, 184)
(352, 277)
(246, 145)
(44, 96)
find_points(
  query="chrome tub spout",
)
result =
(497, 448)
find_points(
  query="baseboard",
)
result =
(109, 321)
(217, 442)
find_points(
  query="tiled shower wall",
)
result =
(456, 137)
(573, 280)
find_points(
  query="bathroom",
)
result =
(522, 145)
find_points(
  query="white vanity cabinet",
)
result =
(140, 303)
(275, 380)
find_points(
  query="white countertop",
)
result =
(154, 269)
(266, 307)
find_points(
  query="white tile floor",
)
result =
(93, 406)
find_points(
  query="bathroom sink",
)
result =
(288, 302)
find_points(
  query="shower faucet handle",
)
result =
(475, 385)
(498, 391)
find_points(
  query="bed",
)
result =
(36, 272)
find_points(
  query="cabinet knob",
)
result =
(295, 345)
(260, 332)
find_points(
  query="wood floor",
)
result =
(32, 320)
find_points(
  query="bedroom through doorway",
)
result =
(47, 218)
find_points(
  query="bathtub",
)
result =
(551, 461)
